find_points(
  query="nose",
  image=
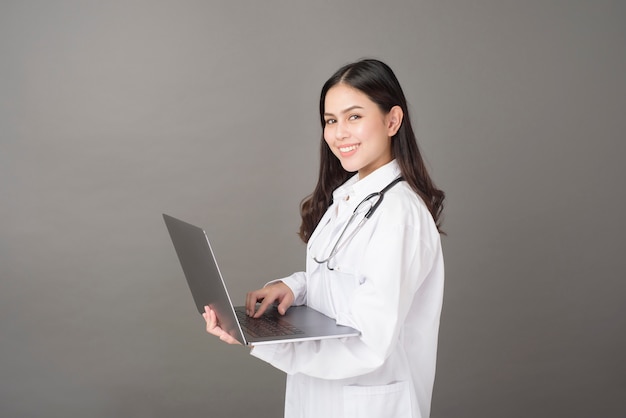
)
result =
(341, 131)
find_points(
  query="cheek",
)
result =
(372, 132)
(327, 136)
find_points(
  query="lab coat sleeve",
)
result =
(392, 268)
(297, 284)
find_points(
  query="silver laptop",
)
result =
(208, 289)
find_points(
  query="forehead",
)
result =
(342, 96)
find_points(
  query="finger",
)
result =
(213, 328)
(252, 298)
(228, 338)
(208, 314)
(263, 307)
(211, 322)
(285, 303)
(250, 302)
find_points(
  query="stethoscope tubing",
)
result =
(368, 215)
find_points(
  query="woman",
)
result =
(383, 276)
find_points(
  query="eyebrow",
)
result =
(351, 108)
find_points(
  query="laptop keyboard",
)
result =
(269, 324)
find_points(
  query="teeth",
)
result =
(348, 149)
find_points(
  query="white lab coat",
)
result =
(387, 283)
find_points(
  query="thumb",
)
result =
(284, 305)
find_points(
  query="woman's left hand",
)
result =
(212, 327)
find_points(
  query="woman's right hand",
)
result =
(275, 292)
(213, 327)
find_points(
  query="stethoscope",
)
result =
(367, 205)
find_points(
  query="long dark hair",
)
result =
(376, 80)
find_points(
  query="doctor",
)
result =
(374, 261)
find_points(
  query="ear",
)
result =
(394, 120)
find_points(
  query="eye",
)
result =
(330, 121)
(354, 117)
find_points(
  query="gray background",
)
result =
(114, 112)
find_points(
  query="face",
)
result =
(357, 131)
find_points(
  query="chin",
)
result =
(350, 168)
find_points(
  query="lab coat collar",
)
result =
(357, 189)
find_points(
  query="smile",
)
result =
(348, 148)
